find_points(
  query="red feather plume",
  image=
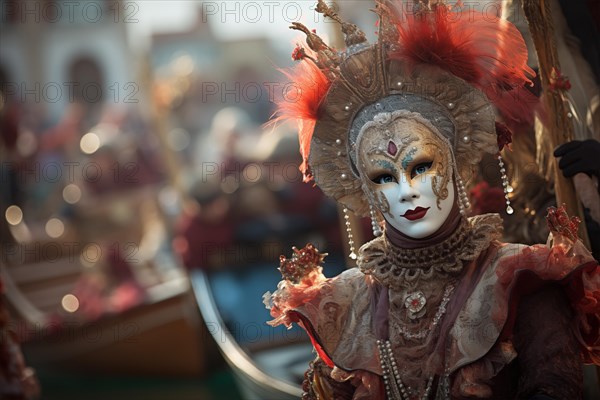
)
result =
(301, 103)
(489, 53)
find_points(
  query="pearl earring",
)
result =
(349, 234)
(463, 200)
(374, 223)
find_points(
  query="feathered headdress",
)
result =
(459, 61)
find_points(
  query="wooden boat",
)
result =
(268, 363)
(264, 369)
(40, 282)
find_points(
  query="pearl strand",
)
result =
(463, 199)
(374, 223)
(505, 185)
(349, 234)
(394, 387)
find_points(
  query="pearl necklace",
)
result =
(395, 388)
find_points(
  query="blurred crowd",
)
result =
(250, 203)
(220, 193)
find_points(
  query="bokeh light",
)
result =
(90, 143)
(14, 215)
(70, 303)
(55, 228)
(71, 193)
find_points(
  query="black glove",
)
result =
(577, 156)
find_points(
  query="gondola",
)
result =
(261, 375)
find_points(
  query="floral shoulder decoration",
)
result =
(302, 277)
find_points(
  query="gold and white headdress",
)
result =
(449, 66)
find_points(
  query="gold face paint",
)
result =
(399, 147)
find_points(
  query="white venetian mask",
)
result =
(407, 174)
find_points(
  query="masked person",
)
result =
(438, 307)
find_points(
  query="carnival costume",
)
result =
(438, 307)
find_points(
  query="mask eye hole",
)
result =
(384, 178)
(420, 169)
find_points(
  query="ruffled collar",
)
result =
(402, 267)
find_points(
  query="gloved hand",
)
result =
(579, 156)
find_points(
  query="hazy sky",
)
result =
(228, 19)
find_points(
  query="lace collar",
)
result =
(394, 266)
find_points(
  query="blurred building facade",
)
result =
(47, 58)
(223, 73)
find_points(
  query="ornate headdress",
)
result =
(446, 64)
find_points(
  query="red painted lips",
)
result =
(417, 213)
